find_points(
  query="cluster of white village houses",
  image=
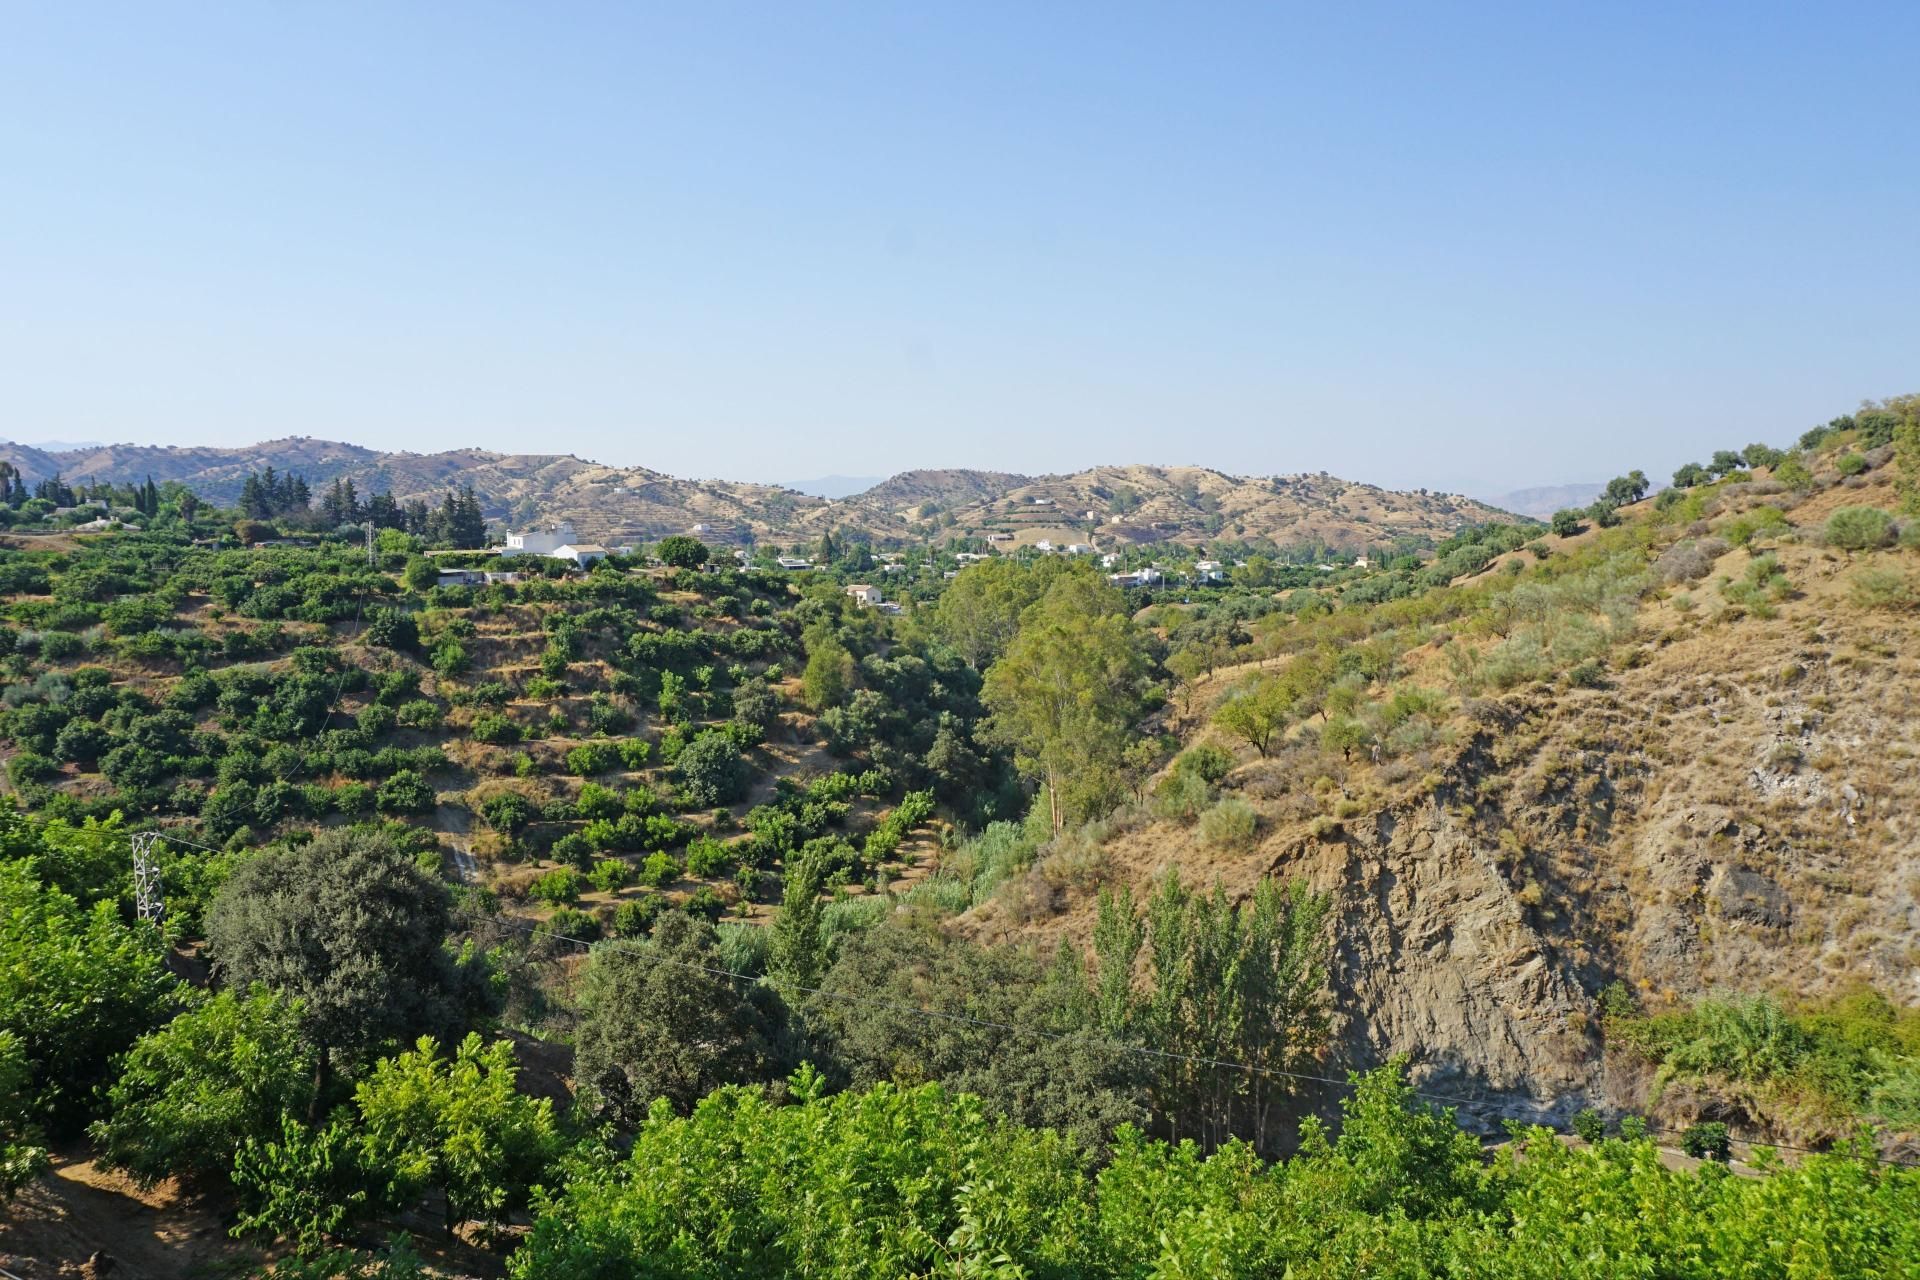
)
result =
(561, 542)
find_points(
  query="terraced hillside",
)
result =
(613, 743)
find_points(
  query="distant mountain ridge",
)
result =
(1106, 506)
(1542, 501)
(832, 486)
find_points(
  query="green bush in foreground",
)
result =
(919, 1182)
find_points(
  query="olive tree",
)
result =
(353, 930)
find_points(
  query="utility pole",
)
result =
(370, 560)
(148, 902)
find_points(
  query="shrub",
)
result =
(707, 857)
(1589, 1124)
(1872, 587)
(610, 874)
(405, 792)
(597, 801)
(418, 714)
(1209, 760)
(574, 849)
(705, 901)
(1182, 796)
(659, 868)
(1230, 824)
(1690, 559)
(508, 813)
(1587, 675)
(1859, 528)
(593, 757)
(392, 629)
(634, 752)
(558, 886)
(711, 771)
(572, 922)
(634, 918)
(495, 728)
(1850, 463)
(1708, 1140)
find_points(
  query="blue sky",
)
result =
(1471, 246)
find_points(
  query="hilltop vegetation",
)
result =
(700, 919)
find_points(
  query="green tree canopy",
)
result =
(656, 1022)
(193, 1091)
(348, 926)
(1067, 692)
(77, 986)
(682, 552)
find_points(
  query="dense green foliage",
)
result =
(892, 1182)
(406, 790)
(1827, 1065)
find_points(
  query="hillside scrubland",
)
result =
(665, 918)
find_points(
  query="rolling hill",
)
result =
(1107, 505)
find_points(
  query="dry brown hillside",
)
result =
(1106, 506)
(1727, 799)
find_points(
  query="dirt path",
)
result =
(55, 1225)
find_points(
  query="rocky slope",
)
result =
(1109, 506)
(1736, 809)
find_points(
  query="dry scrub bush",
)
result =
(1229, 825)
(1690, 559)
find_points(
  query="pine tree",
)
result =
(468, 524)
(254, 503)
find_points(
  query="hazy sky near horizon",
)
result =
(1471, 246)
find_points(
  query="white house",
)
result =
(865, 594)
(1361, 562)
(1208, 571)
(971, 557)
(793, 563)
(544, 542)
(1146, 577)
(1041, 502)
(581, 553)
(1079, 549)
(1044, 546)
(1109, 560)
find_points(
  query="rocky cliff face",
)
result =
(1735, 809)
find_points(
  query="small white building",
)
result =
(1041, 502)
(793, 563)
(1146, 577)
(862, 593)
(1109, 560)
(1361, 562)
(580, 553)
(1208, 571)
(544, 542)
(1078, 549)
(971, 557)
(1044, 545)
